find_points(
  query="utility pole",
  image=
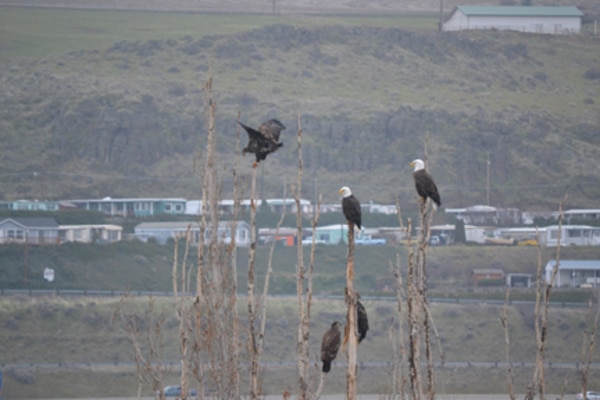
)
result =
(315, 197)
(487, 186)
(441, 22)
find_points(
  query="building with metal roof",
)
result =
(574, 273)
(29, 231)
(532, 19)
(133, 207)
(163, 231)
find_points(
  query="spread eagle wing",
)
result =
(271, 129)
(259, 143)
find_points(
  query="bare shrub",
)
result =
(24, 376)
(592, 73)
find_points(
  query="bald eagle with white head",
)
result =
(264, 140)
(426, 187)
(351, 207)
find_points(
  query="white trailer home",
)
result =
(570, 235)
(574, 273)
(532, 19)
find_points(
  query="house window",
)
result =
(178, 207)
(15, 234)
(142, 206)
(168, 207)
(554, 234)
(575, 233)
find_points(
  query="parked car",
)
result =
(175, 391)
(308, 241)
(371, 241)
(590, 396)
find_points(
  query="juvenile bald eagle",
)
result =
(362, 320)
(424, 183)
(350, 206)
(263, 141)
(330, 345)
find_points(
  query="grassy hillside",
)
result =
(40, 32)
(141, 266)
(121, 114)
(52, 331)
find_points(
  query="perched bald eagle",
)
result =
(330, 345)
(263, 141)
(424, 183)
(350, 206)
(362, 320)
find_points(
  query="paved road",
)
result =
(371, 397)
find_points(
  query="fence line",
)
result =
(292, 364)
(147, 293)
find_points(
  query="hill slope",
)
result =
(53, 333)
(128, 120)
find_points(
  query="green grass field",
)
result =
(35, 32)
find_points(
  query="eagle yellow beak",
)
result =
(340, 191)
(412, 164)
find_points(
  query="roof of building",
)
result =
(92, 226)
(333, 227)
(568, 227)
(520, 11)
(126, 200)
(487, 271)
(33, 222)
(582, 211)
(181, 225)
(574, 264)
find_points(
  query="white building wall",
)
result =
(457, 22)
(551, 25)
(475, 234)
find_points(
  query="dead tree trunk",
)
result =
(304, 302)
(542, 299)
(216, 319)
(147, 344)
(413, 316)
(509, 368)
(183, 311)
(398, 343)
(351, 338)
(252, 313)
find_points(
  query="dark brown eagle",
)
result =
(263, 141)
(424, 183)
(330, 345)
(362, 320)
(350, 206)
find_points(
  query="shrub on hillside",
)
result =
(592, 74)
(22, 376)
